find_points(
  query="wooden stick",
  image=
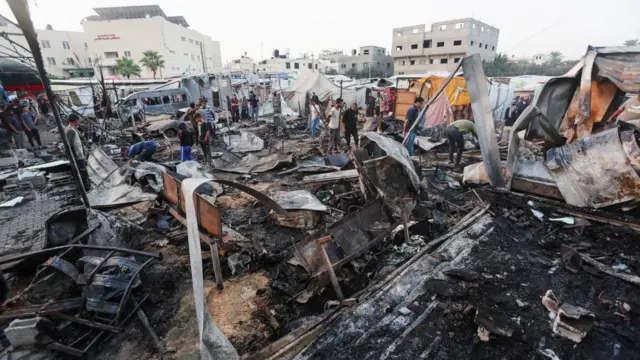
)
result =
(327, 262)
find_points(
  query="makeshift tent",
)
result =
(315, 82)
(456, 89)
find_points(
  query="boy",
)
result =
(204, 133)
(186, 142)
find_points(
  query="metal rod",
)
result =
(327, 262)
(145, 322)
(83, 321)
(215, 263)
(127, 291)
(78, 246)
(84, 234)
(20, 10)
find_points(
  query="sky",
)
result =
(259, 26)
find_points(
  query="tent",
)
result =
(315, 82)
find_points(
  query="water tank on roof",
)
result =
(276, 53)
(49, 27)
(354, 52)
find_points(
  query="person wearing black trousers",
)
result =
(350, 120)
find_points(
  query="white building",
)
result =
(245, 63)
(128, 31)
(287, 65)
(119, 32)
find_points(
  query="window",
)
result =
(398, 48)
(353, 65)
(398, 33)
(443, 27)
(401, 73)
(414, 46)
(316, 66)
(365, 52)
(472, 42)
(482, 29)
(287, 65)
(343, 66)
(486, 46)
(422, 61)
(191, 41)
(388, 65)
(310, 66)
(444, 61)
(51, 61)
(378, 52)
(415, 31)
(457, 42)
(440, 44)
(459, 26)
(183, 38)
(403, 62)
(111, 55)
(296, 65)
(69, 61)
(65, 45)
(412, 62)
(493, 48)
(197, 42)
(473, 26)
(166, 99)
(127, 53)
(480, 46)
(430, 61)
(456, 60)
(45, 44)
(426, 44)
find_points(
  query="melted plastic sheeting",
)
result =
(245, 142)
(398, 152)
(256, 164)
(298, 200)
(213, 343)
(594, 171)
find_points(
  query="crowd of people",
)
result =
(20, 120)
(244, 109)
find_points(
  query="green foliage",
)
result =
(152, 61)
(502, 66)
(632, 42)
(126, 67)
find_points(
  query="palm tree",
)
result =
(152, 61)
(555, 58)
(632, 42)
(126, 67)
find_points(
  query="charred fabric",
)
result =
(272, 249)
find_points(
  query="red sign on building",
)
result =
(107, 37)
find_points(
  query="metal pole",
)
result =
(20, 10)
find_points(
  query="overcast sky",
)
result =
(259, 26)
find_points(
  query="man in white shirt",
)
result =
(333, 117)
(315, 118)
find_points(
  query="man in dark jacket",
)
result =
(204, 133)
(186, 142)
(350, 120)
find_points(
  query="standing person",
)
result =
(315, 118)
(5, 137)
(277, 103)
(333, 118)
(73, 136)
(15, 127)
(350, 121)
(8, 121)
(455, 137)
(245, 109)
(204, 133)
(29, 122)
(235, 110)
(255, 109)
(186, 142)
(412, 116)
(378, 112)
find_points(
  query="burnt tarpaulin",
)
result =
(594, 171)
(620, 65)
(398, 152)
(255, 164)
(631, 148)
(245, 142)
(298, 200)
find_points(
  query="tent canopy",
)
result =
(456, 90)
(325, 89)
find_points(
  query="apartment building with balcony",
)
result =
(416, 50)
(367, 58)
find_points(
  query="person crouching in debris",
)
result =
(142, 151)
(73, 136)
(350, 121)
(204, 133)
(333, 118)
(412, 116)
(186, 142)
(455, 136)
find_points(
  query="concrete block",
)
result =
(36, 179)
(23, 332)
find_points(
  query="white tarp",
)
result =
(315, 82)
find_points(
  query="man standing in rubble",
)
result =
(235, 109)
(315, 118)
(412, 116)
(455, 137)
(73, 136)
(255, 109)
(350, 121)
(277, 104)
(204, 133)
(29, 122)
(14, 128)
(333, 118)
(186, 142)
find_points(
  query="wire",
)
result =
(538, 33)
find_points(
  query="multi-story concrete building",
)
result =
(415, 50)
(369, 59)
(128, 31)
(245, 63)
(118, 32)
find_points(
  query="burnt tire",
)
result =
(171, 132)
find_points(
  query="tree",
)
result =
(152, 61)
(126, 67)
(555, 58)
(499, 66)
(632, 42)
(331, 71)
